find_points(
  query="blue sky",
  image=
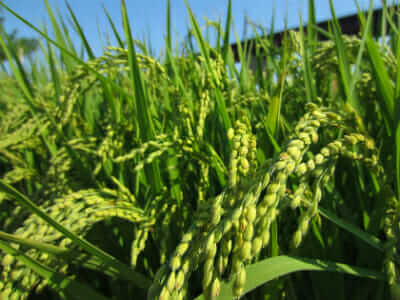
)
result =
(148, 17)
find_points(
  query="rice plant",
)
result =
(186, 176)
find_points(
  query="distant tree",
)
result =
(20, 46)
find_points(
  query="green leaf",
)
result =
(275, 267)
(61, 39)
(169, 31)
(80, 32)
(384, 84)
(356, 231)
(146, 127)
(226, 45)
(204, 49)
(365, 34)
(308, 75)
(114, 29)
(344, 65)
(397, 147)
(311, 25)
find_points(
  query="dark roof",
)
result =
(350, 25)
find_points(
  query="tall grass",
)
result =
(127, 176)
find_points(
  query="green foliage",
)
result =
(127, 176)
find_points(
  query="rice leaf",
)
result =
(146, 127)
(226, 45)
(89, 50)
(344, 66)
(351, 228)
(275, 267)
(114, 29)
(311, 27)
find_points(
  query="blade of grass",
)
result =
(383, 21)
(275, 267)
(311, 25)
(308, 76)
(204, 49)
(393, 31)
(226, 44)
(384, 84)
(146, 127)
(114, 29)
(169, 30)
(19, 73)
(66, 34)
(272, 119)
(344, 66)
(366, 30)
(60, 38)
(397, 147)
(53, 70)
(171, 66)
(89, 50)
(397, 120)
(351, 228)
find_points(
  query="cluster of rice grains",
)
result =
(79, 212)
(235, 226)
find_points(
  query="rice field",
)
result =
(188, 176)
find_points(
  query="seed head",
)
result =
(273, 188)
(290, 167)
(249, 232)
(181, 249)
(175, 263)
(311, 165)
(230, 133)
(171, 282)
(325, 151)
(207, 278)
(250, 213)
(226, 247)
(297, 143)
(244, 163)
(245, 251)
(180, 280)
(301, 169)
(265, 237)
(297, 239)
(215, 288)
(280, 165)
(236, 214)
(319, 159)
(164, 295)
(256, 246)
(240, 279)
(270, 199)
(295, 202)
